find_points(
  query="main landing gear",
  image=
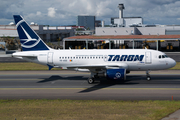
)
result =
(148, 78)
(91, 80)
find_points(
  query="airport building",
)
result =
(157, 30)
(87, 21)
(9, 33)
(128, 33)
(134, 26)
(122, 21)
(48, 34)
(166, 43)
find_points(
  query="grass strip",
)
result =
(23, 66)
(177, 67)
(86, 109)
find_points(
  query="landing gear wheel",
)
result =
(91, 80)
(148, 78)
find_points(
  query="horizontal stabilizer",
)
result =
(6, 55)
(16, 55)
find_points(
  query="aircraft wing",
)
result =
(101, 66)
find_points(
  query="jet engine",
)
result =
(116, 74)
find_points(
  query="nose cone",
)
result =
(172, 63)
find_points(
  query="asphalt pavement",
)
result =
(73, 85)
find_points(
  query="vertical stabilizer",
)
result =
(30, 41)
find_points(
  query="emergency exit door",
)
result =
(50, 58)
(148, 58)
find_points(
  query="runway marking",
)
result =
(90, 88)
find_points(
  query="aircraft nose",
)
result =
(172, 63)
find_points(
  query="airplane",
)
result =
(111, 63)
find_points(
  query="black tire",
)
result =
(90, 80)
(148, 78)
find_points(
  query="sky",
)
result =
(65, 12)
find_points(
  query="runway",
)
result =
(73, 85)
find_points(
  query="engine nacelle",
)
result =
(116, 74)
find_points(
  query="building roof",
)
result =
(156, 37)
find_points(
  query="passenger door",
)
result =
(148, 58)
(50, 58)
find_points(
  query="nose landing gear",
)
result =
(148, 78)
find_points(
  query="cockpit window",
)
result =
(163, 56)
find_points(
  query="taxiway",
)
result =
(164, 85)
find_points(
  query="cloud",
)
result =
(65, 12)
(38, 13)
(51, 12)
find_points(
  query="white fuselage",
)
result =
(129, 59)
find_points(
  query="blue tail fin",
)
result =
(30, 41)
